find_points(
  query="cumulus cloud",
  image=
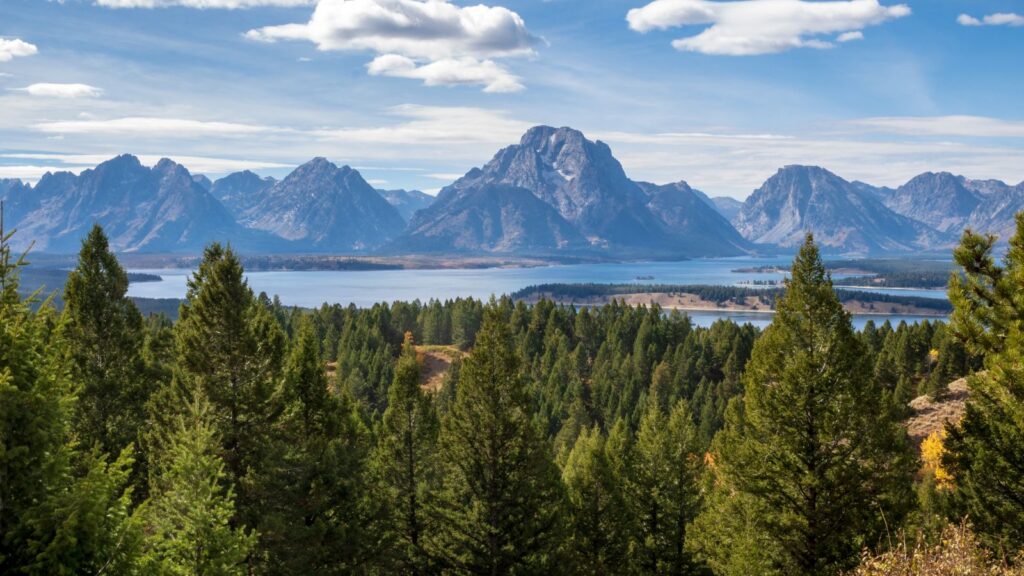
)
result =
(998, 19)
(447, 72)
(14, 47)
(971, 126)
(179, 127)
(751, 27)
(434, 41)
(201, 4)
(48, 90)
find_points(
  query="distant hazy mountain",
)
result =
(940, 200)
(241, 191)
(490, 218)
(584, 185)
(322, 207)
(724, 205)
(158, 209)
(407, 202)
(951, 203)
(693, 220)
(203, 181)
(17, 198)
(843, 216)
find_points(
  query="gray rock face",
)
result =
(407, 202)
(941, 200)
(587, 188)
(694, 223)
(578, 178)
(325, 208)
(203, 181)
(241, 191)
(951, 203)
(159, 209)
(495, 218)
(842, 216)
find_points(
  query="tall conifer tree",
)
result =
(406, 459)
(105, 339)
(230, 348)
(986, 450)
(811, 461)
(501, 506)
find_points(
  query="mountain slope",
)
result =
(578, 178)
(158, 209)
(843, 217)
(587, 188)
(407, 202)
(240, 191)
(493, 218)
(690, 217)
(940, 200)
(325, 208)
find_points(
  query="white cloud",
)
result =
(447, 72)
(48, 90)
(201, 4)
(153, 126)
(430, 40)
(751, 27)
(969, 126)
(12, 48)
(433, 126)
(79, 162)
(446, 176)
(998, 19)
(850, 36)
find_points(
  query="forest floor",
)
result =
(932, 415)
(435, 361)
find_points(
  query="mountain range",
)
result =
(553, 193)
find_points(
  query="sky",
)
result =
(414, 93)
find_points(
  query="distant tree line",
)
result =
(718, 294)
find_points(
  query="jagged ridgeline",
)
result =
(554, 193)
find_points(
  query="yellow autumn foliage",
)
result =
(932, 450)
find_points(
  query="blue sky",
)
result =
(414, 93)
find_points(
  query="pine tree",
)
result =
(105, 338)
(406, 459)
(809, 456)
(501, 503)
(189, 518)
(87, 524)
(986, 450)
(230, 348)
(320, 509)
(61, 511)
(599, 525)
(664, 489)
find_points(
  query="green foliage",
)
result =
(599, 534)
(500, 507)
(189, 519)
(406, 460)
(319, 510)
(105, 339)
(664, 490)
(986, 450)
(230, 348)
(813, 456)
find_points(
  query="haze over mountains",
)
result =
(553, 193)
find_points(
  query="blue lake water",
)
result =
(365, 288)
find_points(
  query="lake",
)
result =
(365, 288)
